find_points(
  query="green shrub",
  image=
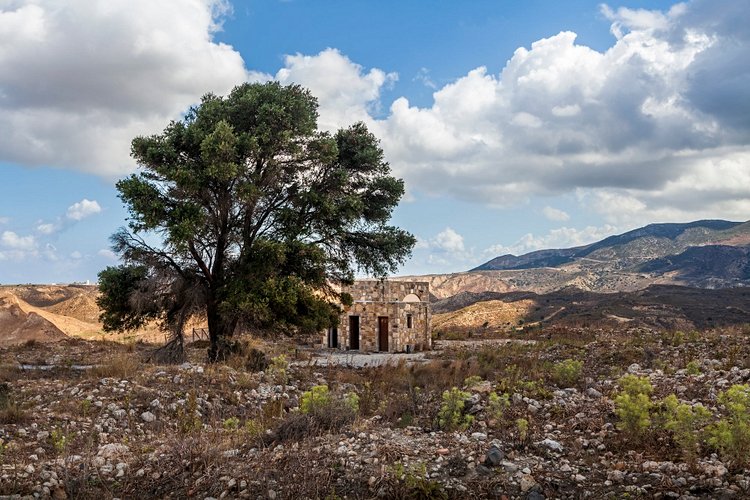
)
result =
(678, 338)
(633, 385)
(567, 373)
(253, 428)
(451, 415)
(414, 482)
(731, 435)
(470, 382)
(314, 399)
(633, 405)
(686, 424)
(277, 370)
(497, 405)
(352, 401)
(231, 424)
(319, 411)
(522, 427)
(693, 368)
(60, 439)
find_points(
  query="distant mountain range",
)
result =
(703, 254)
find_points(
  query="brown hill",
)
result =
(18, 326)
(658, 306)
(70, 310)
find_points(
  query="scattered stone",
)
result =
(494, 457)
(147, 416)
(526, 482)
(112, 451)
(551, 444)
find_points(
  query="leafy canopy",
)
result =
(245, 212)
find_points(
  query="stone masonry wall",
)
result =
(375, 298)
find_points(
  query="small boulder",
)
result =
(112, 451)
(551, 444)
(494, 456)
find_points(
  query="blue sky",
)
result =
(516, 125)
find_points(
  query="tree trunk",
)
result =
(220, 331)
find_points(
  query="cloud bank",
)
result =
(657, 127)
(79, 79)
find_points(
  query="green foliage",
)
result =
(85, 407)
(634, 385)
(693, 368)
(451, 415)
(731, 435)
(470, 382)
(497, 405)
(678, 338)
(352, 401)
(60, 439)
(522, 429)
(253, 428)
(314, 399)
(414, 483)
(231, 424)
(243, 212)
(633, 406)
(686, 423)
(567, 373)
(277, 369)
(119, 286)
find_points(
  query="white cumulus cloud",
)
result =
(13, 241)
(345, 92)
(555, 214)
(563, 237)
(82, 209)
(80, 78)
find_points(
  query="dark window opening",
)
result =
(409, 321)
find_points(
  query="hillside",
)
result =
(658, 306)
(703, 254)
(53, 312)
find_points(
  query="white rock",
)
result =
(551, 444)
(147, 416)
(112, 450)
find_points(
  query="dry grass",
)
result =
(118, 365)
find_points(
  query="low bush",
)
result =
(633, 406)
(567, 373)
(451, 416)
(731, 434)
(319, 412)
(496, 406)
(686, 423)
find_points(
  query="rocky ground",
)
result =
(99, 423)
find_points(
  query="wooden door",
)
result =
(354, 333)
(383, 333)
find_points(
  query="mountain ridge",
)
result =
(708, 253)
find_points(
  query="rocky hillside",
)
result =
(45, 313)
(658, 306)
(705, 254)
(540, 418)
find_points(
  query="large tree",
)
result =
(245, 214)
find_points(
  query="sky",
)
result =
(515, 125)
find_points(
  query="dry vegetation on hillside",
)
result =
(536, 419)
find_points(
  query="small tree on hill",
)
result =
(245, 213)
